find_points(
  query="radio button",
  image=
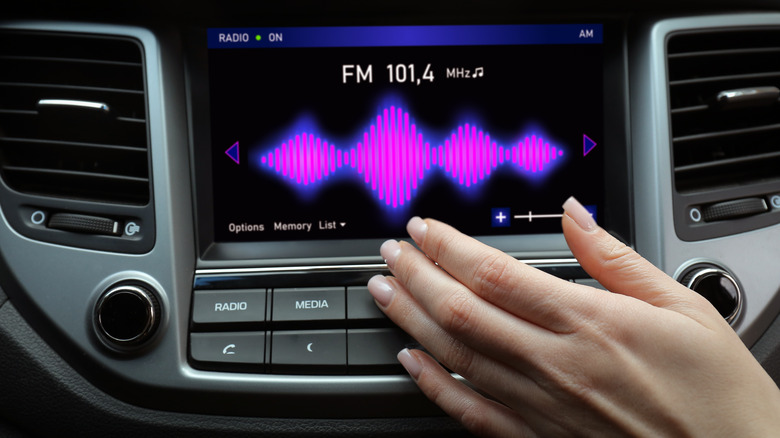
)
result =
(223, 306)
(309, 304)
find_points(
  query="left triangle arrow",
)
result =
(232, 152)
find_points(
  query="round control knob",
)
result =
(127, 315)
(717, 286)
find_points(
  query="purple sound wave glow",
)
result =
(393, 157)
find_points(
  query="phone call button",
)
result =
(228, 347)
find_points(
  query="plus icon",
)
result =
(499, 217)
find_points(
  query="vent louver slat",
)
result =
(63, 150)
(714, 146)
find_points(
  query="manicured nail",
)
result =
(581, 216)
(381, 290)
(412, 365)
(417, 229)
(390, 251)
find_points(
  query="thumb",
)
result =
(615, 265)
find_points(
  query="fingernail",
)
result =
(417, 229)
(381, 290)
(581, 216)
(412, 365)
(390, 251)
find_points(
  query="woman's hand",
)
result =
(555, 358)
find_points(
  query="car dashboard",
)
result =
(192, 201)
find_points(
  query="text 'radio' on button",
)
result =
(228, 306)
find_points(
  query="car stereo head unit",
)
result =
(323, 141)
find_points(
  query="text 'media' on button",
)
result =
(309, 304)
(224, 306)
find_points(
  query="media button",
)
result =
(309, 304)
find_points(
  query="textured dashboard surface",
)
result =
(47, 397)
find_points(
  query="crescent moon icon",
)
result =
(308, 347)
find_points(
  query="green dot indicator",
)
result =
(258, 37)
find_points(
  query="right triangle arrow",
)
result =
(587, 145)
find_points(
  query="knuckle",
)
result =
(460, 359)
(469, 413)
(491, 273)
(568, 381)
(458, 313)
(436, 244)
(405, 268)
(474, 419)
(618, 257)
(435, 390)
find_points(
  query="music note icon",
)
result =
(479, 72)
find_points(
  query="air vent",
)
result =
(73, 117)
(720, 142)
(724, 86)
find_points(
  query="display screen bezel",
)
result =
(615, 217)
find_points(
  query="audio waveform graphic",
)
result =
(392, 157)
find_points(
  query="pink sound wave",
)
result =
(392, 157)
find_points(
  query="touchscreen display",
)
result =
(347, 132)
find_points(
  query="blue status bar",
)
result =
(404, 36)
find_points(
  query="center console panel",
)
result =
(315, 144)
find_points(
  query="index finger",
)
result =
(524, 291)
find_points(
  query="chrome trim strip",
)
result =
(374, 266)
(150, 311)
(67, 103)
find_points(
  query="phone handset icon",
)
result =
(229, 349)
